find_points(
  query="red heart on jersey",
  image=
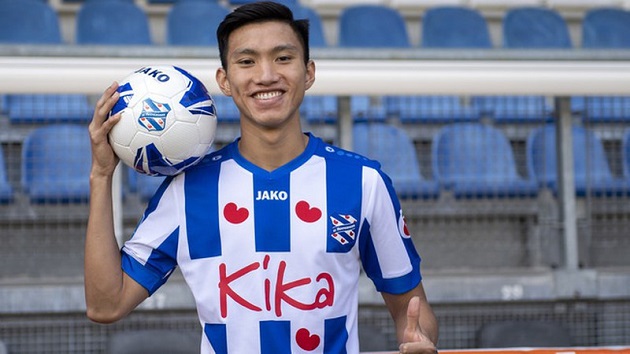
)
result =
(306, 213)
(234, 214)
(306, 340)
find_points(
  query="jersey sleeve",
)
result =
(388, 254)
(150, 256)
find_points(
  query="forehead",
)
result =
(260, 36)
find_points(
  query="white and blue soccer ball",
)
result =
(168, 121)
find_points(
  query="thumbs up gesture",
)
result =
(414, 340)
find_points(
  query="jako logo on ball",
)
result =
(168, 121)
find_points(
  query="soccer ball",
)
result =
(168, 121)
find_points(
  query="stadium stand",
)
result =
(194, 23)
(528, 28)
(371, 26)
(625, 155)
(476, 160)
(592, 171)
(50, 174)
(509, 334)
(392, 147)
(3, 348)
(6, 190)
(153, 341)
(605, 29)
(94, 23)
(443, 27)
(36, 23)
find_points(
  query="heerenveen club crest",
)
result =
(153, 116)
(344, 228)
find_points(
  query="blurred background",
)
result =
(517, 198)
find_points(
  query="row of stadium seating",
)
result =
(37, 109)
(442, 27)
(471, 160)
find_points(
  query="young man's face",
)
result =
(266, 75)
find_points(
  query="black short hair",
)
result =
(257, 12)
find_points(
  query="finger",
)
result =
(413, 319)
(105, 103)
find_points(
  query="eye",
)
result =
(245, 61)
(284, 58)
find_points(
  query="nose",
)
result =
(267, 73)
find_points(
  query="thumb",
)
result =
(413, 320)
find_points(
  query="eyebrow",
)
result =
(276, 49)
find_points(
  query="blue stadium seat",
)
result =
(395, 151)
(28, 22)
(27, 109)
(283, 2)
(56, 163)
(454, 27)
(35, 22)
(226, 109)
(371, 26)
(530, 28)
(592, 171)
(514, 109)
(443, 27)
(430, 109)
(625, 155)
(144, 185)
(476, 160)
(606, 28)
(194, 23)
(535, 28)
(112, 23)
(319, 109)
(6, 191)
(317, 38)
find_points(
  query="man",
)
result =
(269, 232)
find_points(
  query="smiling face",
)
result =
(266, 75)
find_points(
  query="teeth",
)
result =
(267, 95)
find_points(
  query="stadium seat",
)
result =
(143, 185)
(35, 109)
(56, 163)
(454, 27)
(625, 155)
(535, 28)
(529, 28)
(96, 24)
(226, 109)
(443, 27)
(194, 23)
(606, 28)
(510, 334)
(36, 22)
(319, 109)
(476, 160)
(3, 348)
(6, 191)
(154, 341)
(371, 26)
(592, 172)
(28, 22)
(395, 151)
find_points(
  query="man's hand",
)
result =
(414, 340)
(104, 160)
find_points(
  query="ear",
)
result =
(310, 74)
(222, 81)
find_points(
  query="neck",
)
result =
(272, 149)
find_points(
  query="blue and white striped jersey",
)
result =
(273, 258)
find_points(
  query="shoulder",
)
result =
(344, 157)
